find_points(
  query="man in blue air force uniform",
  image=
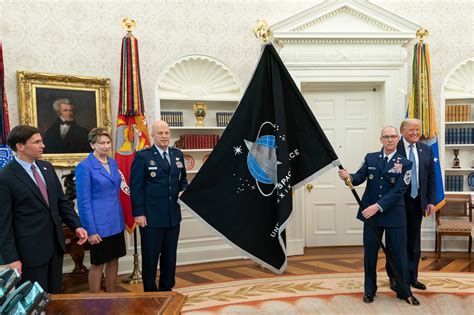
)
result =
(388, 175)
(158, 177)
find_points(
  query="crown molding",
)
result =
(384, 24)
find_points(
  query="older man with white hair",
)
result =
(158, 177)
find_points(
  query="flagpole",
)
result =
(422, 32)
(263, 32)
(136, 275)
(388, 254)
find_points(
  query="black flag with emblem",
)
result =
(272, 145)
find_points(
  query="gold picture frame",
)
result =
(90, 99)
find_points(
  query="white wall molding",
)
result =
(346, 41)
(197, 77)
(460, 82)
(349, 10)
(341, 20)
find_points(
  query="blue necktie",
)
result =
(414, 179)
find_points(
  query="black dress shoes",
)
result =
(410, 300)
(368, 298)
(418, 285)
(414, 301)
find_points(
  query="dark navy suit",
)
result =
(386, 186)
(154, 192)
(415, 208)
(30, 229)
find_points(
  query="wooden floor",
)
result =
(314, 261)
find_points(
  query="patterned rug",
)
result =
(448, 293)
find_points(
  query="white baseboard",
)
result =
(295, 247)
(448, 244)
(185, 257)
(203, 254)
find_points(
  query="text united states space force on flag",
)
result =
(272, 145)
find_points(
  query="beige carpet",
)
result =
(448, 293)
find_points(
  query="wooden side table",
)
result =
(167, 303)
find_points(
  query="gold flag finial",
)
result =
(128, 24)
(421, 33)
(262, 31)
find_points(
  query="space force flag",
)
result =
(272, 145)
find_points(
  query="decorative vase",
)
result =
(200, 110)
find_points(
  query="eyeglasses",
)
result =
(386, 137)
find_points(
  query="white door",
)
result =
(350, 118)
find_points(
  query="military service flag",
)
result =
(421, 106)
(272, 145)
(132, 131)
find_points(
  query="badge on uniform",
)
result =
(392, 180)
(151, 168)
(153, 174)
(397, 168)
(407, 177)
(371, 176)
(179, 164)
(152, 162)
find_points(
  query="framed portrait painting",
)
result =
(65, 108)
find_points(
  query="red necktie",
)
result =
(41, 185)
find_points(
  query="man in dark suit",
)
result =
(388, 175)
(33, 206)
(420, 196)
(158, 177)
(65, 135)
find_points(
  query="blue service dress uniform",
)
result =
(154, 188)
(415, 208)
(386, 185)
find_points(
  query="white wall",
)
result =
(84, 37)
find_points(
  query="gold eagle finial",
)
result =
(421, 33)
(128, 24)
(262, 31)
